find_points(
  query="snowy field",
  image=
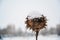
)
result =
(54, 37)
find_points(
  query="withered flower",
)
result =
(36, 24)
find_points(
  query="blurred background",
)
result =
(14, 12)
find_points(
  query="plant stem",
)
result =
(37, 35)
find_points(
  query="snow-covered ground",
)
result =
(54, 37)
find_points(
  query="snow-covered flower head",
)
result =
(36, 21)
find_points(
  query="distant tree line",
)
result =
(10, 31)
(51, 31)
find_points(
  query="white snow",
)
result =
(34, 14)
(33, 38)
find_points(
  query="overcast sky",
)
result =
(15, 11)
